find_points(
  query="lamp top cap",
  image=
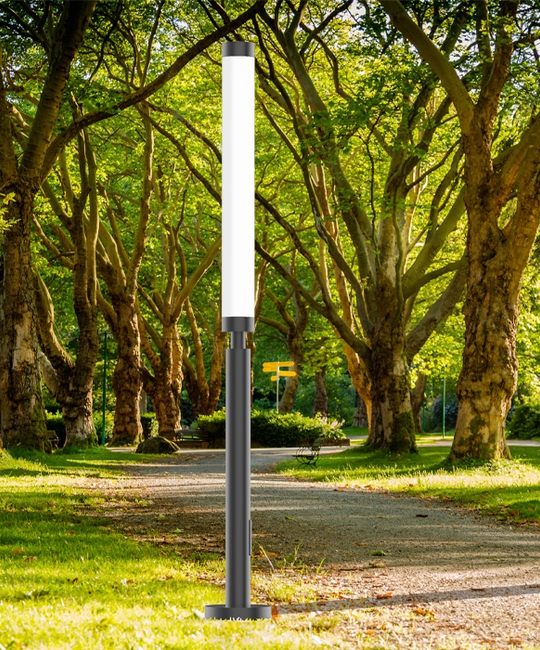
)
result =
(237, 48)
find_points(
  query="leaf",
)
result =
(514, 513)
(275, 612)
(379, 552)
(378, 565)
(178, 530)
(30, 558)
(289, 517)
(388, 594)
(18, 551)
(419, 515)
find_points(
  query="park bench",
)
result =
(191, 437)
(309, 453)
(53, 438)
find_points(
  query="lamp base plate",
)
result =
(238, 613)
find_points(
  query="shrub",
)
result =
(55, 423)
(434, 416)
(525, 422)
(213, 425)
(341, 398)
(149, 425)
(271, 429)
(98, 424)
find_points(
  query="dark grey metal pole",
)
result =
(238, 486)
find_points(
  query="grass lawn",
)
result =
(510, 490)
(421, 439)
(67, 580)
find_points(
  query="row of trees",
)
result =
(397, 172)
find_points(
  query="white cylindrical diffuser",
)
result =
(238, 182)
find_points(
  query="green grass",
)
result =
(422, 438)
(510, 490)
(67, 580)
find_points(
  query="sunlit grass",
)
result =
(67, 580)
(508, 489)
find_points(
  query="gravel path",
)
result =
(447, 579)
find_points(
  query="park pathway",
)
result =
(448, 578)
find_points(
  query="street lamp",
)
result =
(238, 291)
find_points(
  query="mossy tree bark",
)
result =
(498, 242)
(74, 378)
(21, 408)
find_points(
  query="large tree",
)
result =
(373, 210)
(499, 240)
(22, 163)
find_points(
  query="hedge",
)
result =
(149, 425)
(525, 422)
(272, 429)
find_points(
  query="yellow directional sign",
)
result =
(271, 366)
(276, 366)
(285, 373)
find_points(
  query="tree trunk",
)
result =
(320, 400)
(22, 414)
(165, 395)
(286, 403)
(127, 381)
(165, 385)
(204, 394)
(361, 382)
(392, 424)
(497, 261)
(360, 417)
(77, 416)
(418, 396)
(488, 378)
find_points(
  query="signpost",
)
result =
(238, 291)
(275, 366)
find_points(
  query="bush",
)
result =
(341, 398)
(433, 418)
(98, 424)
(149, 425)
(525, 422)
(55, 423)
(271, 429)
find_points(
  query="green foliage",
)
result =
(525, 422)
(97, 416)
(341, 396)
(271, 429)
(149, 425)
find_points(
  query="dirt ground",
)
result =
(397, 571)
